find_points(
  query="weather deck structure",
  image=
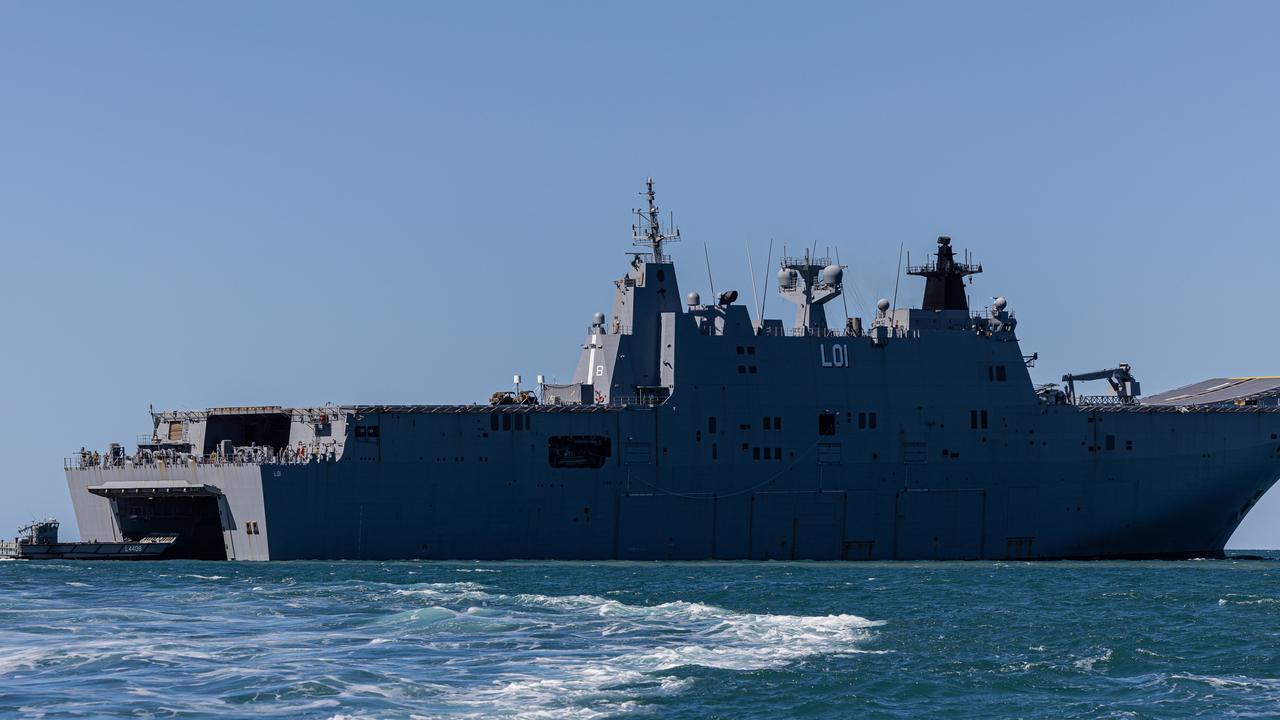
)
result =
(691, 430)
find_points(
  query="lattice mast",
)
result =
(648, 231)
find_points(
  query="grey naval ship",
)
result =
(692, 431)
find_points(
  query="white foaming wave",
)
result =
(750, 641)
(583, 693)
(1237, 599)
(142, 692)
(1232, 683)
(454, 592)
(621, 651)
(205, 577)
(1087, 663)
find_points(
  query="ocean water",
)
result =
(684, 640)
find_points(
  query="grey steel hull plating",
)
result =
(485, 495)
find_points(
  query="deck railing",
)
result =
(243, 456)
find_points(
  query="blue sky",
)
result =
(234, 203)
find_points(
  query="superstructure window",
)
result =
(711, 425)
(578, 451)
(827, 424)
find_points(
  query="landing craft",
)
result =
(690, 431)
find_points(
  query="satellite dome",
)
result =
(787, 277)
(883, 305)
(694, 298)
(1000, 304)
(597, 319)
(832, 274)
(944, 241)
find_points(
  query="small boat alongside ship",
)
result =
(39, 541)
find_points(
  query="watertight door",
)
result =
(940, 524)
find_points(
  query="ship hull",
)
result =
(496, 495)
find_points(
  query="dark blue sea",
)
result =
(688, 640)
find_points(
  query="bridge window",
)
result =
(506, 422)
(777, 423)
(493, 421)
(766, 424)
(578, 451)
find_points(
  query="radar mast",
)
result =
(648, 232)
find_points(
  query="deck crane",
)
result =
(1122, 382)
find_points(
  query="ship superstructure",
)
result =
(691, 431)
